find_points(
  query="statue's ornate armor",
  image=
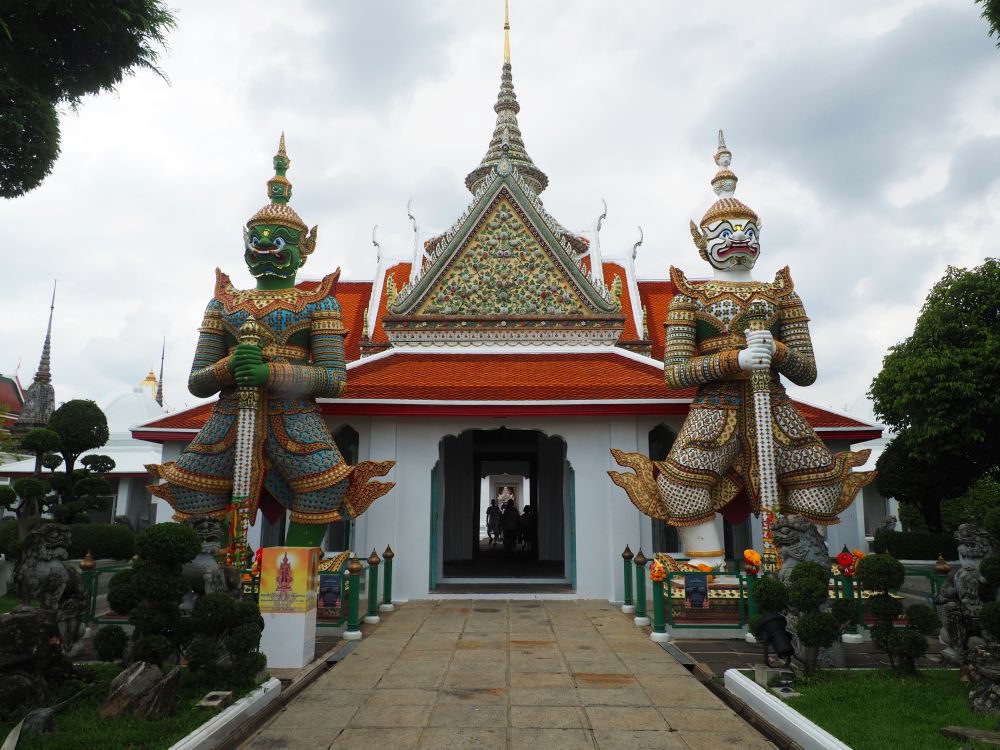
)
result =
(296, 461)
(714, 457)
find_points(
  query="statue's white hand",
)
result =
(757, 356)
(761, 337)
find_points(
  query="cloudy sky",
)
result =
(866, 135)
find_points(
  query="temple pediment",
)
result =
(504, 273)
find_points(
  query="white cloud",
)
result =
(865, 137)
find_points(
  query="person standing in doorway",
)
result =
(511, 519)
(493, 526)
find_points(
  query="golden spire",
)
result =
(506, 31)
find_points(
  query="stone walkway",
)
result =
(544, 675)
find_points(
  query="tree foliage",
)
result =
(81, 426)
(939, 390)
(56, 52)
(991, 12)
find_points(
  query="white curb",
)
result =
(214, 731)
(781, 716)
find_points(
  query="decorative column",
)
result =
(629, 606)
(372, 617)
(387, 605)
(657, 574)
(640, 620)
(353, 632)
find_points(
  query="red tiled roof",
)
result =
(543, 378)
(525, 376)
(353, 297)
(400, 274)
(631, 331)
(10, 396)
(655, 297)
(815, 415)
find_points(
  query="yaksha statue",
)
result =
(297, 355)
(715, 462)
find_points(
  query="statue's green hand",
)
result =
(252, 374)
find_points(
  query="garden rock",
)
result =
(129, 687)
(19, 690)
(142, 691)
(41, 721)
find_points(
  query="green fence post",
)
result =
(353, 632)
(387, 605)
(659, 634)
(640, 561)
(629, 606)
(372, 617)
(851, 635)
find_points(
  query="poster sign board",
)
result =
(695, 591)
(289, 579)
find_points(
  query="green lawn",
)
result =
(875, 709)
(8, 602)
(78, 726)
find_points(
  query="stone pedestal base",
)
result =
(641, 622)
(628, 609)
(372, 619)
(289, 638)
(387, 608)
(659, 637)
(352, 635)
(853, 638)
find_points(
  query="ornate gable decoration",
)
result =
(505, 274)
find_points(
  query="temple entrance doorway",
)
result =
(525, 476)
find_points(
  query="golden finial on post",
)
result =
(281, 145)
(373, 559)
(388, 554)
(506, 32)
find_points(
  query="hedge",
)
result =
(916, 545)
(102, 541)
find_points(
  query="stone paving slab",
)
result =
(538, 675)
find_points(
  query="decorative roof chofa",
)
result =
(506, 140)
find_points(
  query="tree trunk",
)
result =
(931, 509)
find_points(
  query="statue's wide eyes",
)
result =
(254, 241)
(279, 242)
(750, 233)
(725, 233)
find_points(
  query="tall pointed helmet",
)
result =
(279, 190)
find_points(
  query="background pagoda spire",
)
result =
(40, 398)
(506, 140)
(159, 383)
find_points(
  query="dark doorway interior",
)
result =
(533, 544)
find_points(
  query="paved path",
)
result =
(544, 675)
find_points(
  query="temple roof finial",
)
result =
(506, 32)
(279, 189)
(507, 132)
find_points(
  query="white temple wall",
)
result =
(605, 519)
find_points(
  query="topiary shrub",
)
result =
(110, 642)
(152, 590)
(770, 594)
(101, 540)
(882, 574)
(817, 629)
(905, 646)
(807, 594)
(168, 544)
(226, 643)
(122, 596)
(922, 618)
(155, 649)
